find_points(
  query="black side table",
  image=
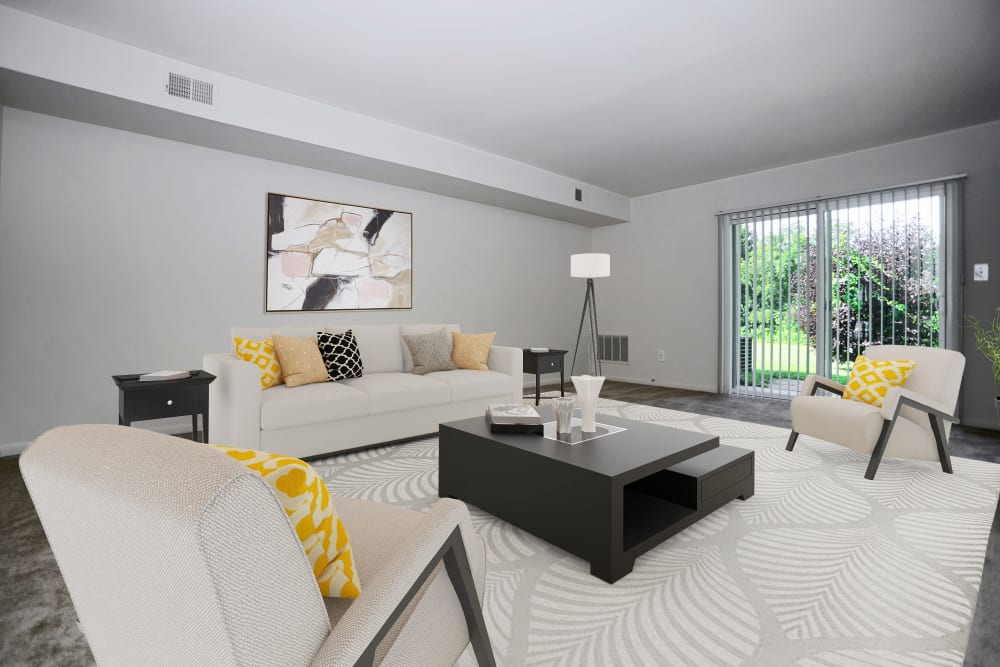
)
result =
(164, 398)
(545, 362)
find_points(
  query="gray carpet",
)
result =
(37, 621)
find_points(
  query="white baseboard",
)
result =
(673, 385)
(13, 448)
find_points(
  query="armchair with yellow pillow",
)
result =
(180, 553)
(899, 401)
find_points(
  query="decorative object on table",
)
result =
(563, 407)
(471, 351)
(589, 265)
(988, 342)
(324, 255)
(587, 389)
(159, 376)
(513, 414)
(300, 359)
(430, 351)
(538, 349)
(521, 419)
(340, 355)
(139, 400)
(547, 361)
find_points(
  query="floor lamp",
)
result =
(589, 265)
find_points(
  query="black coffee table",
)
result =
(607, 500)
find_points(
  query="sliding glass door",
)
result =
(807, 287)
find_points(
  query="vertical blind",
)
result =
(807, 286)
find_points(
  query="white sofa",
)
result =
(387, 403)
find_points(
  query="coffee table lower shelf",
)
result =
(608, 521)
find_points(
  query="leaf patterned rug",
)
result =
(820, 567)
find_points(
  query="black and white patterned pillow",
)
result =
(340, 355)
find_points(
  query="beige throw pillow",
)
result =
(471, 351)
(300, 359)
(430, 352)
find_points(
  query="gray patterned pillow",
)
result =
(430, 351)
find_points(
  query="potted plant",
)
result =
(988, 342)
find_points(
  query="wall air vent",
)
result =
(187, 88)
(613, 347)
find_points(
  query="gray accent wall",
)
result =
(121, 253)
(664, 284)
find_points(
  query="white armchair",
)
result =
(913, 422)
(175, 554)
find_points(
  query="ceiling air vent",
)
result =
(187, 88)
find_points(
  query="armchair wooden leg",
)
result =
(456, 562)
(792, 437)
(883, 440)
(937, 426)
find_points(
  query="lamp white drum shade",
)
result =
(590, 265)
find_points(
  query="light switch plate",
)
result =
(980, 272)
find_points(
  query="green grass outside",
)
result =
(782, 360)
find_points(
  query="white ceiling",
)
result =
(633, 96)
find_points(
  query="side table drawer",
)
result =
(550, 364)
(164, 402)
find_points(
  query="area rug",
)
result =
(819, 567)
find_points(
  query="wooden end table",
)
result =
(545, 362)
(159, 399)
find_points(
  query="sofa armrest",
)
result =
(509, 361)
(444, 530)
(812, 383)
(233, 400)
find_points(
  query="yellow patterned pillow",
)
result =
(308, 505)
(261, 354)
(871, 378)
(471, 351)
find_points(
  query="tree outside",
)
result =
(883, 276)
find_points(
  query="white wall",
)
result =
(664, 287)
(55, 52)
(125, 253)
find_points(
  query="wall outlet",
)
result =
(661, 355)
(980, 272)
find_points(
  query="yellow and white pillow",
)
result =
(307, 503)
(871, 378)
(261, 354)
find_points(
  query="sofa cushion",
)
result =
(283, 407)
(471, 351)
(340, 355)
(261, 354)
(390, 392)
(412, 329)
(378, 345)
(467, 385)
(300, 360)
(430, 351)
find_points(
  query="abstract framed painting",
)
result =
(324, 255)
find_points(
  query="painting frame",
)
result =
(327, 256)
